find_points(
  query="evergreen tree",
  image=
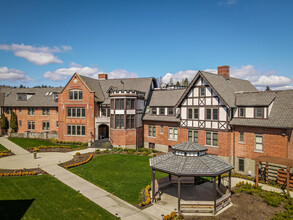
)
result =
(3, 124)
(186, 83)
(13, 122)
(268, 88)
(178, 84)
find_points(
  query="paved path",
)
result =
(48, 162)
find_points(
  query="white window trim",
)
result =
(75, 90)
(255, 150)
(152, 131)
(241, 142)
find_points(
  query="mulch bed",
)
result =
(38, 170)
(7, 154)
(53, 150)
(245, 206)
(77, 159)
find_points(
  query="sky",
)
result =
(45, 42)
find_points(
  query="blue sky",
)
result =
(45, 42)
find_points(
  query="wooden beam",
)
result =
(215, 195)
(230, 181)
(153, 185)
(256, 173)
(267, 172)
(170, 178)
(288, 180)
(219, 180)
(179, 194)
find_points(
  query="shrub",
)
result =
(130, 151)
(106, 145)
(272, 198)
(3, 124)
(146, 153)
(98, 151)
(154, 155)
(77, 154)
(13, 122)
(154, 151)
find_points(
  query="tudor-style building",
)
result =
(227, 115)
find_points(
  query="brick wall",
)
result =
(123, 138)
(38, 118)
(274, 143)
(90, 111)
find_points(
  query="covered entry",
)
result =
(103, 131)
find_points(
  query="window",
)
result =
(202, 91)
(31, 125)
(212, 114)
(19, 122)
(130, 104)
(173, 133)
(119, 103)
(75, 95)
(21, 97)
(119, 121)
(259, 112)
(215, 114)
(241, 165)
(241, 137)
(57, 124)
(162, 111)
(193, 136)
(209, 113)
(75, 112)
(19, 110)
(130, 121)
(162, 129)
(105, 111)
(193, 113)
(46, 111)
(154, 111)
(212, 138)
(8, 110)
(57, 110)
(46, 126)
(152, 131)
(258, 142)
(170, 111)
(76, 130)
(241, 112)
(55, 96)
(31, 111)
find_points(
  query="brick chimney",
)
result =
(224, 71)
(103, 76)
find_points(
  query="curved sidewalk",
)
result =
(49, 162)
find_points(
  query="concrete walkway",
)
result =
(48, 161)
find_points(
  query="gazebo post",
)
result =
(288, 180)
(215, 195)
(153, 185)
(179, 194)
(219, 180)
(230, 181)
(170, 178)
(256, 173)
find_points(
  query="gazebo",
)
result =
(185, 163)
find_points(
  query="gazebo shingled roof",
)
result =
(184, 165)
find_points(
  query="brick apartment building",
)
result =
(227, 115)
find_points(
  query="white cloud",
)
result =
(13, 75)
(227, 2)
(259, 78)
(189, 74)
(64, 73)
(36, 55)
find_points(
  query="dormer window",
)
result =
(259, 112)
(75, 94)
(154, 111)
(241, 112)
(21, 97)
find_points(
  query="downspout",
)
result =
(233, 145)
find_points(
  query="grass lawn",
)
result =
(28, 142)
(122, 175)
(2, 148)
(44, 197)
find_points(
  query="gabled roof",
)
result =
(263, 98)
(280, 115)
(225, 89)
(166, 97)
(100, 87)
(40, 97)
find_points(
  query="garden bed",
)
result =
(77, 159)
(20, 172)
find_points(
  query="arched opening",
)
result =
(103, 131)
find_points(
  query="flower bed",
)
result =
(22, 172)
(5, 153)
(80, 163)
(147, 197)
(170, 216)
(49, 148)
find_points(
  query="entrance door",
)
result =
(103, 131)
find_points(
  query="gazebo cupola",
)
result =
(189, 149)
